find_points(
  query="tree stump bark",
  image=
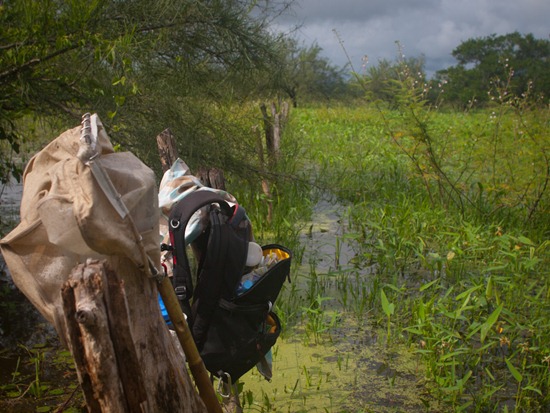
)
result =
(168, 151)
(126, 359)
(273, 128)
(212, 177)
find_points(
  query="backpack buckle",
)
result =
(166, 247)
(181, 292)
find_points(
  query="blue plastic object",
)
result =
(163, 311)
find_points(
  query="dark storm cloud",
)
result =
(363, 10)
(429, 28)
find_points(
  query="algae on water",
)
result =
(349, 371)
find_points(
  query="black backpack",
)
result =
(233, 332)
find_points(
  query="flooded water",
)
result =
(333, 358)
(319, 238)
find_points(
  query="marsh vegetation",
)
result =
(417, 211)
(421, 278)
(443, 218)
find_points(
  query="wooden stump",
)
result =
(168, 152)
(121, 364)
(212, 178)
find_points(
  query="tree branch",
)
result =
(33, 62)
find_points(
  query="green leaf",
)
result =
(533, 389)
(386, 305)
(464, 379)
(525, 240)
(413, 330)
(475, 329)
(56, 392)
(393, 287)
(454, 354)
(490, 321)
(467, 292)
(428, 285)
(121, 81)
(517, 375)
(489, 289)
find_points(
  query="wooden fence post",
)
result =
(273, 128)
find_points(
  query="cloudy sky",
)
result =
(432, 28)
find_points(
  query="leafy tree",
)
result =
(141, 65)
(513, 62)
(306, 75)
(380, 81)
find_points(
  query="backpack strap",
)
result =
(179, 217)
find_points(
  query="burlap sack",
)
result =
(66, 218)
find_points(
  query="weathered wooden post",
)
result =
(126, 359)
(100, 339)
(273, 128)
